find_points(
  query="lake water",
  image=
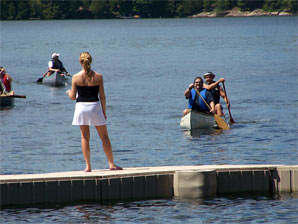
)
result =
(147, 65)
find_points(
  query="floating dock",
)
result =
(142, 183)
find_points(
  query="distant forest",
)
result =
(105, 9)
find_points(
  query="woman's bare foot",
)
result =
(87, 170)
(114, 167)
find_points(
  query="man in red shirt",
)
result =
(5, 82)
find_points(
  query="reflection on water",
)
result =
(6, 108)
(223, 209)
(197, 133)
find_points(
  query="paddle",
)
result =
(220, 122)
(40, 79)
(67, 74)
(231, 119)
(14, 96)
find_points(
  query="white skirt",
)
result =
(88, 113)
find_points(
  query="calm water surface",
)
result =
(147, 65)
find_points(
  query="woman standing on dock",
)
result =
(87, 85)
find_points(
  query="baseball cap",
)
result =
(55, 55)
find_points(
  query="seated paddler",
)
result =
(5, 82)
(195, 102)
(55, 65)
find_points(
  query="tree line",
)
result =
(104, 9)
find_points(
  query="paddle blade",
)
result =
(221, 122)
(39, 80)
(232, 120)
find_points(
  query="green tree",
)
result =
(290, 6)
(125, 7)
(208, 5)
(190, 7)
(142, 8)
(160, 8)
(221, 6)
(35, 8)
(102, 9)
(4, 9)
(12, 11)
(23, 10)
(246, 5)
(50, 9)
(74, 8)
(271, 6)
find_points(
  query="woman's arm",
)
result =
(102, 96)
(73, 91)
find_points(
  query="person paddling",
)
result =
(217, 91)
(55, 65)
(90, 110)
(5, 82)
(195, 102)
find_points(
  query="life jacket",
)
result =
(57, 64)
(6, 83)
(192, 99)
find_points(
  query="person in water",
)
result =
(55, 65)
(90, 110)
(217, 91)
(5, 82)
(195, 102)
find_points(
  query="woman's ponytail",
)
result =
(86, 60)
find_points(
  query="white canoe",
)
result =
(198, 120)
(55, 79)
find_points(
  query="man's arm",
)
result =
(213, 85)
(63, 68)
(224, 96)
(212, 107)
(210, 101)
(8, 77)
(187, 91)
(50, 69)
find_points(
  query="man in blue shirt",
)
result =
(195, 101)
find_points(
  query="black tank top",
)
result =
(87, 94)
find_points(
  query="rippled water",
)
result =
(254, 209)
(147, 65)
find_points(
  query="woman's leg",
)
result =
(106, 144)
(85, 138)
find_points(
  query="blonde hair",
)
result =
(86, 60)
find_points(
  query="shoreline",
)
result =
(235, 12)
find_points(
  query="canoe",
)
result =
(55, 80)
(6, 101)
(198, 120)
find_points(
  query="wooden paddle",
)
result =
(40, 79)
(231, 119)
(67, 74)
(220, 122)
(14, 96)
